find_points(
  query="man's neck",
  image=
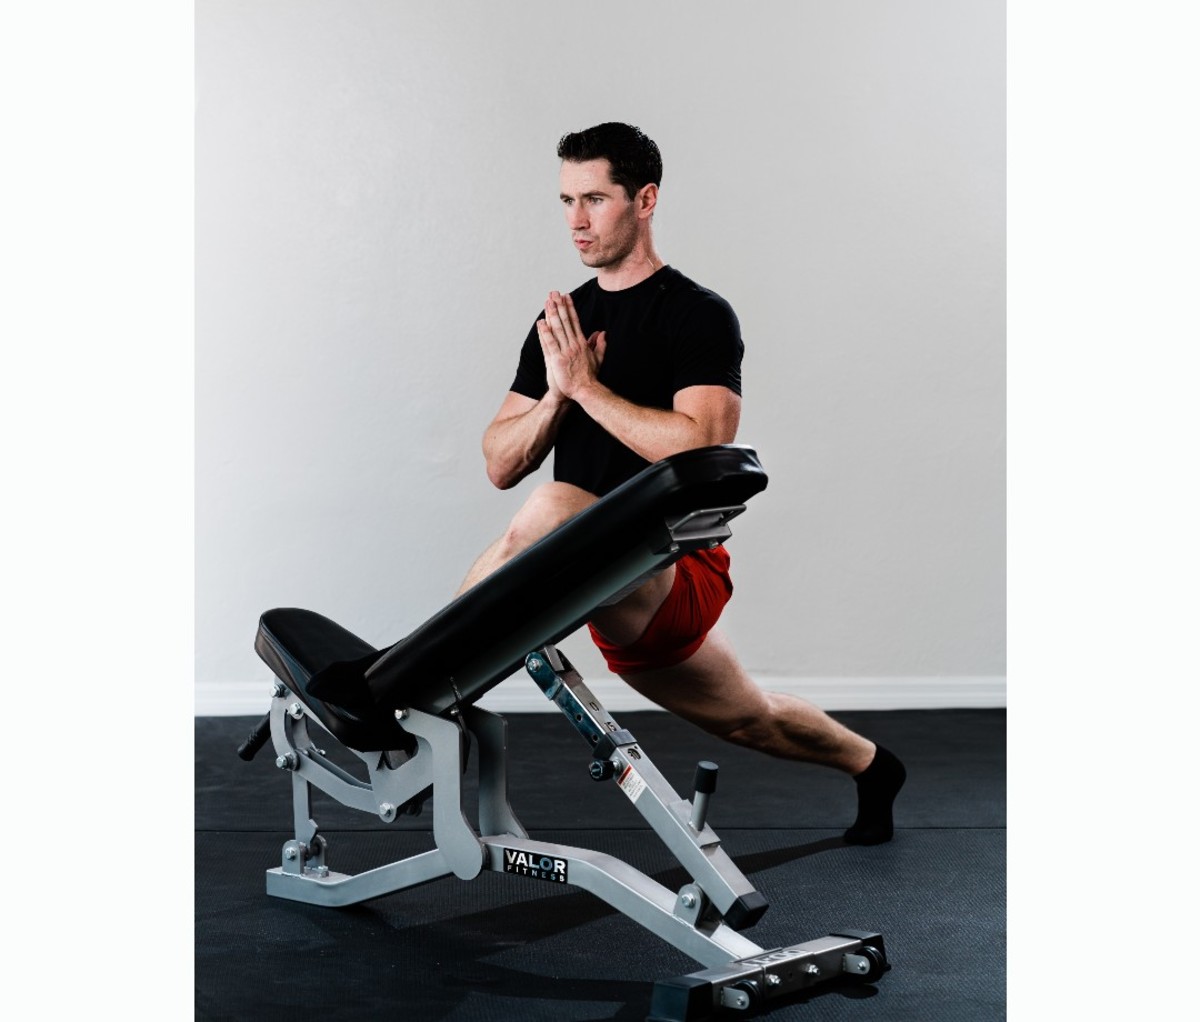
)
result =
(633, 269)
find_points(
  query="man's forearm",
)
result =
(652, 433)
(516, 446)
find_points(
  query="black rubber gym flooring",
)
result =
(508, 949)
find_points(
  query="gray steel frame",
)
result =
(692, 919)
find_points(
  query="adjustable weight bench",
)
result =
(408, 713)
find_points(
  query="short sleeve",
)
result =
(531, 367)
(707, 349)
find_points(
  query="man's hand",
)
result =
(572, 360)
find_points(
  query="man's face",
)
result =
(602, 218)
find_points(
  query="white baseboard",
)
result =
(519, 695)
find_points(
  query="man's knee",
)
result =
(751, 732)
(548, 507)
(754, 724)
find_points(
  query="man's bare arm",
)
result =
(518, 439)
(699, 416)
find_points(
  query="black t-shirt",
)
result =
(662, 335)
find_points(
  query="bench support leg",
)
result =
(701, 919)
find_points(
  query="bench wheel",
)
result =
(879, 964)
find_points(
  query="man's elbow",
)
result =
(500, 479)
(715, 424)
(710, 433)
(497, 471)
(504, 473)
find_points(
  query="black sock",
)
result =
(878, 786)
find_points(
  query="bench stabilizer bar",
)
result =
(747, 983)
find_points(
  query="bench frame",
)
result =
(702, 919)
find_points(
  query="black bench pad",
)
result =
(482, 636)
(298, 644)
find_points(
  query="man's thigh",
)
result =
(710, 689)
(625, 622)
(548, 507)
(551, 505)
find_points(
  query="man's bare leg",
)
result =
(712, 690)
(548, 507)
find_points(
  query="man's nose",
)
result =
(577, 218)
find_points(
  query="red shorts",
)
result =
(701, 589)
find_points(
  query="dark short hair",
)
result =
(635, 159)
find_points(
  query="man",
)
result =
(638, 364)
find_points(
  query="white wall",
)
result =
(377, 224)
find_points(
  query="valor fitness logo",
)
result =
(540, 867)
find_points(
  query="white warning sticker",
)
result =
(631, 783)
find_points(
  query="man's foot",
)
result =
(878, 786)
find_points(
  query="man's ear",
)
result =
(646, 199)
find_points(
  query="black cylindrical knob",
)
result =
(256, 739)
(601, 769)
(706, 777)
(705, 785)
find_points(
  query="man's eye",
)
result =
(566, 201)
(595, 200)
